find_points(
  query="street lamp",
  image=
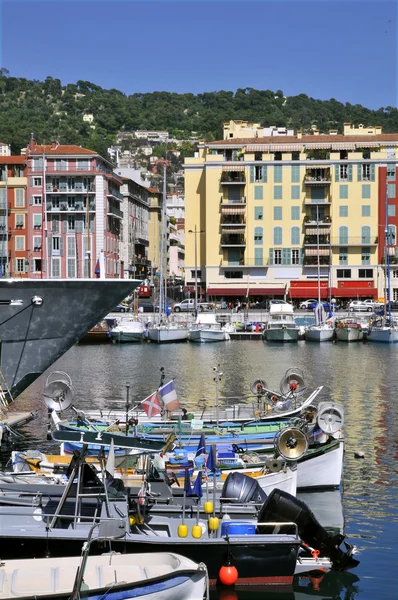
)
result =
(195, 232)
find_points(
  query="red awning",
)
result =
(308, 292)
(226, 291)
(360, 292)
(267, 291)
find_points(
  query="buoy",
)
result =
(214, 523)
(228, 575)
(359, 454)
(182, 530)
(196, 532)
(133, 520)
(208, 507)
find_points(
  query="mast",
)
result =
(162, 232)
(387, 303)
(47, 258)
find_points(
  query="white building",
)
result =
(5, 149)
(175, 205)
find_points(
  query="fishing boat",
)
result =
(206, 329)
(281, 326)
(349, 330)
(130, 330)
(100, 333)
(42, 318)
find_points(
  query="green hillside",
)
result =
(52, 111)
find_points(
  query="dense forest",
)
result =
(53, 111)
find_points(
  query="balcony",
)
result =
(5, 205)
(312, 240)
(245, 262)
(310, 221)
(115, 193)
(233, 239)
(355, 241)
(229, 221)
(233, 178)
(312, 261)
(64, 188)
(320, 201)
(114, 212)
(317, 176)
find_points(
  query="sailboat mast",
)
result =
(162, 236)
(317, 251)
(387, 307)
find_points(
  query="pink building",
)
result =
(73, 212)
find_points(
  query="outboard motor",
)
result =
(283, 507)
(240, 489)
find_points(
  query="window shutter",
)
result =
(286, 256)
(31, 181)
(265, 178)
(31, 200)
(49, 247)
(372, 172)
(349, 172)
(14, 265)
(61, 246)
(252, 174)
(359, 172)
(79, 225)
(65, 225)
(271, 256)
(32, 264)
(337, 172)
(301, 256)
(92, 225)
(43, 266)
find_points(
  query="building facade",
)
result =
(276, 209)
(135, 240)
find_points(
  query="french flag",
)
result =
(169, 396)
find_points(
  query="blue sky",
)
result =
(343, 50)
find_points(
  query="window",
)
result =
(233, 274)
(344, 273)
(295, 213)
(343, 235)
(37, 182)
(56, 244)
(295, 174)
(365, 172)
(295, 192)
(19, 198)
(365, 190)
(258, 213)
(71, 268)
(295, 257)
(278, 236)
(318, 194)
(37, 243)
(37, 265)
(391, 210)
(390, 172)
(343, 172)
(71, 223)
(199, 273)
(277, 192)
(295, 236)
(258, 156)
(258, 236)
(343, 211)
(3, 199)
(82, 165)
(365, 273)
(37, 164)
(258, 192)
(56, 267)
(258, 173)
(19, 221)
(395, 293)
(258, 257)
(37, 221)
(20, 264)
(278, 174)
(365, 256)
(19, 242)
(277, 213)
(61, 164)
(296, 155)
(394, 274)
(366, 210)
(71, 247)
(392, 235)
(277, 257)
(71, 201)
(36, 200)
(343, 192)
(343, 256)
(391, 190)
(277, 155)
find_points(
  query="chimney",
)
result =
(315, 131)
(54, 145)
(378, 130)
(299, 134)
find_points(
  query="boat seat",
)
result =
(105, 575)
(34, 580)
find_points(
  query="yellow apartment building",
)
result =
(275, 210)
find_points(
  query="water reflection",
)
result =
(363, 377)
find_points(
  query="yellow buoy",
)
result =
(196, 531)
(133, 520)
(208, 507)
(182, 530)
(214, 523)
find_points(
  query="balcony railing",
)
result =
(114, 212)
(312, 261)
(309, 220)
(245, 262)
(232, 202)
(233, 240)
(313, 202)
(233, 221)
(237, 178)
(312, 240)
(317, 177)
(354, 241)
(65, 188)
(115, 193)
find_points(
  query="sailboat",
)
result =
(164, 331)
(323, 330)
(383, 329)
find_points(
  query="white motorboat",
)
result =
(320, 333)
(383, 331)
(206, 329)
(128, 331)
(322, 469)
(281, 326)
(349, 330)
(167, 334)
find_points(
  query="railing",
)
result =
(237, 240)
(115, 193)
(115, 212)
(233, 178)
(230, 202)
(245, 262)
(312, 222)
(233, 223)
(354, 241)
(308, 179)
(313, 239)
(313, 261)
(63, 187)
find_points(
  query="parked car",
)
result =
(326, 305)
(146, 306)
(265, 304)
(121, 307)
(307, 304)
(363, 305)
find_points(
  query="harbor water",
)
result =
(362, 377)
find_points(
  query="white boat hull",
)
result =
(385, 335)
(282, 334)
(323, 471)
(349, 334)
(319, 334)
(167, 335)
(128, 333)
(208, 335)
